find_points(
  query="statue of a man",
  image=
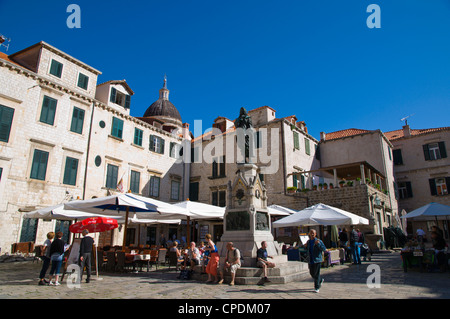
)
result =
(244, 122)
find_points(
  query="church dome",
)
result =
(162, 108)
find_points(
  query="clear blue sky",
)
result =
(315, 59)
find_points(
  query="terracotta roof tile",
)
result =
(344, 133)
(397, 134)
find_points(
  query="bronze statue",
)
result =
(244, 121)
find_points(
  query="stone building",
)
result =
(46, 101)
(422, 170)
(64, 137)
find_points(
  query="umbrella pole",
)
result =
(125, 231)
(188, 232)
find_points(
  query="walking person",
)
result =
(354, 244)
(262, 262)
(232, 262)
(56, 256)
(85, 255)
(315, 248)
(46, 258)
(211, 268)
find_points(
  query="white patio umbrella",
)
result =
(430, 211)
(277, 210)
(201, 210)
(58, 212)
(123, 204)
(321, 214)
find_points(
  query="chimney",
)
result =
(323, 136)
(185, 131)
(406, 131)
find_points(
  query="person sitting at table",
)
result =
(175, 249)
(193, 256)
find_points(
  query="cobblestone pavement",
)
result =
(19, 281)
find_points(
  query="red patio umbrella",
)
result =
(94, 225)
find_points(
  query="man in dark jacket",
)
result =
(85, 255)
(315, 248)
(354, 245)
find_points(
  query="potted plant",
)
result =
(358, 180)
(314, 187)
(342, 183)
(377, 186)
(320, 186)
(291, 190)
(368, 181)
(331, 186)
(350, 183)
(325, 186)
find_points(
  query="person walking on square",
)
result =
(354, 244)
(85, 255)
(46, 258)
(315, 248)
(261, 260)
(56, 256)
(211, 268)
(232, 262)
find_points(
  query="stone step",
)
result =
(284, 273)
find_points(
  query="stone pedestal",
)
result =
(247, 219)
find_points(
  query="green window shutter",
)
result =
(70, 171)
(296, 141)
(112, 173)
(426, 152)
(83, 81)
(77, 120)
(442, 149)
(161, 146)
(112, 98)
(294, 181)
(433, 189)
(193, 191)
(127, 101)
(154, 186)
(56, 68)
(409, 189)
(39, 165)
(215, 198)
(135, 181)
(138, 136)
(214, 168)
(398, 159)
(152, 143)
(117, 128)
(48, 110)
(307, 147)
(6, 118)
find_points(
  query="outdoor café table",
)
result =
(410, 256)
(139, 258)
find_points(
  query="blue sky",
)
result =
(315, 59)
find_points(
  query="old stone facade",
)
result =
(422, 170)
(64, 137)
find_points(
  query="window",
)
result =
(307, 147)
(439, 186)
(296, 141)
(48, 110)
(117, 128)
(1, 173)
(56, 68)
(70, 171)
(258, 139)
(219, 198)
(175, 190)
(120, 98)
(156, 144)
(398, 159)
(77, 120)
(135, 181)
(404, 190)
(138, 136)
(193, 191)
(6, 118)
(434, 151)
(154, 186)
(83, 81)
(39, 165)
(112, 173)
(29, 229)
(176, 151)
(218, 167)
